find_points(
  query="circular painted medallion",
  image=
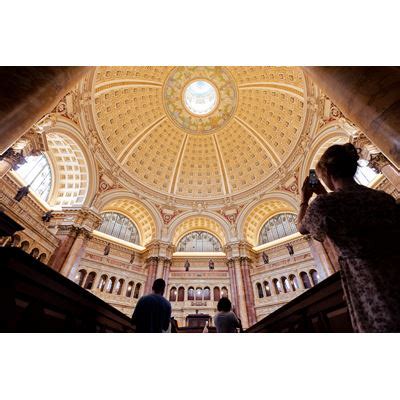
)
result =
(200, 99)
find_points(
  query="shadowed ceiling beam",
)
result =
(368, 96)
(28, 93)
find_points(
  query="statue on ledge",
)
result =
(290, 249)
(47, 216)
(107, 249)
(187, 265)
(265, 257)
(22, 192)
(211, 264)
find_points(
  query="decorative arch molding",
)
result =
(255, 214)
(328, 135)
(193, 221)
(70, 133)
(141, 212)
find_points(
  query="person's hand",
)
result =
(319, 188)
(306, 190)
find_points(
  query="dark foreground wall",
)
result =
(35, 298)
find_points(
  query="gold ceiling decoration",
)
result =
(146, 128)
(174, 90)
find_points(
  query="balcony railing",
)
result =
(319, 309)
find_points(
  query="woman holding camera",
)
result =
(364, 226)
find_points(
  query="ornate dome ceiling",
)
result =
(199, 132)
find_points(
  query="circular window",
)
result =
(200, 97)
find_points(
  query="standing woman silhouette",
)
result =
(364, 226)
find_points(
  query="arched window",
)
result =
(90, 280)
(217, 294)
(199, 294)
(267, 289)
(129, 289)
(305, 279)
(364, 174)
(36, 172)
(277, 227)
(42, 257)
(277, 286)
(224, 292)
(25, 246)
(16, 240)
(286, 285)
(199, 241)
(120, 284)
(172, 294)
(102, 282)
(314, 276)
(137, 290)
(181, 294)
(191, 293)
(259, 290)
(80, 277)
(207, 293)
(293, 282)
(110, 284)
(35, 252)
(119, 226)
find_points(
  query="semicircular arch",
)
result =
(256, 214)
(139, 212)
(189, 222)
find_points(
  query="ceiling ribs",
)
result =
(226, 186)
(122, 158)
(115, 85)
(177, 168)
(280, 87)
(267, 147)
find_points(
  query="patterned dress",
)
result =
(364, 225)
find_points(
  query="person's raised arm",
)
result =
(306, 192)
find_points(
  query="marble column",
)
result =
(28, 93)
(369, 97)
(166, 267)
(242, 308)
(67, 235)
(232, 278)
(160, 268)
(249, 295)
(75, 254)
(320, 257)
(152, 264)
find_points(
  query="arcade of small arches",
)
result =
(111, 285)
(287, 284)
(132, 185)
(199, 293)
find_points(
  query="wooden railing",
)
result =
(35, 298)
(320, 309)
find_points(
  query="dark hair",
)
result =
(339, 161)
(224, 304)
(159, 285)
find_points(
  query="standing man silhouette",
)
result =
(153, 312)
